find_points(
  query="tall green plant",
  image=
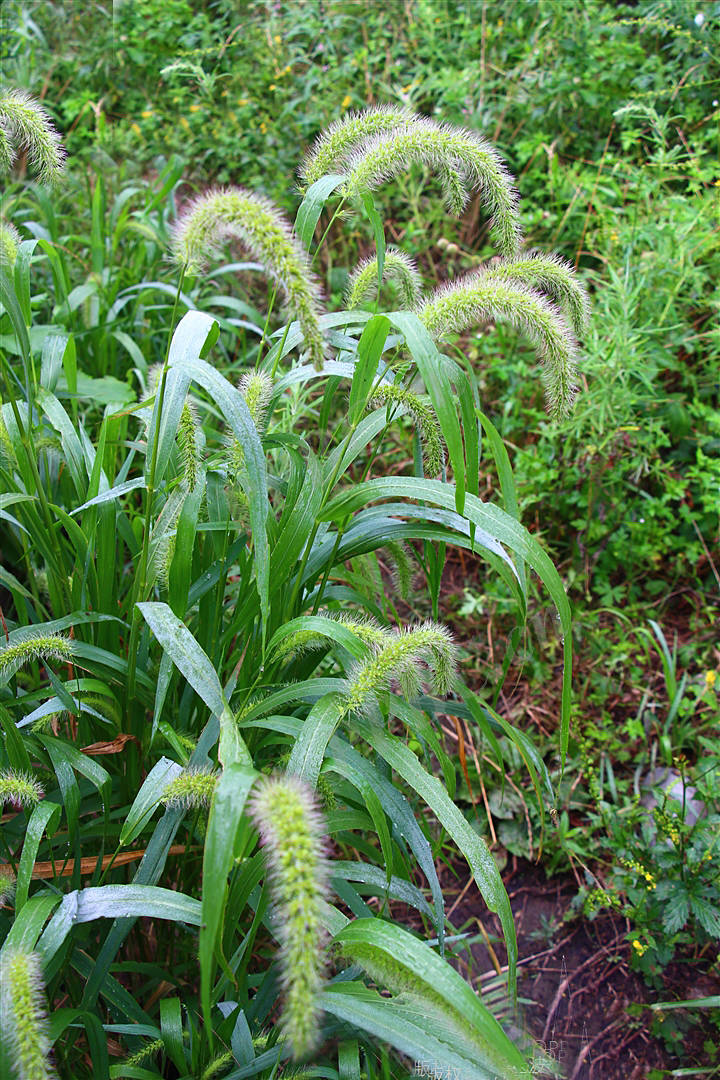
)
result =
(191, 599)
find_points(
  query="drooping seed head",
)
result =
(26, 126)
(425, 421)
(23, 1021)
(265, 233)
(292, 832)
(551, 275)
(399, 267)
(34, 646)
(479, 297)
(332, 146)
(401, 660)
(464, 161)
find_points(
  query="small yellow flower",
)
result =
(272, 86)
(710, 679)
(263, 127)
(136, 129)
(347, 100)
(639, 949)
(277, 39)
(195, 108)
(184, 123)
(146, 114)
(243, 101)
(406, 89)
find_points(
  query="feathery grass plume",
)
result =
(23, 1020)
(425, 421)
(478, 297)
(25, 125)
(471, 161)
(400, 660)
(9, 240)
(188, 439)
(191, 788)
(292, 832)
(332, 146)
(362, 284)
(265, 233)
(20, 788)
(552, 275)
(7, 884)
(39, 646)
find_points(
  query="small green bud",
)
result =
(191, 788)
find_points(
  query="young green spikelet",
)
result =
(425, 421)
(479, 297)
(332, 146)
(257, 387)
(292, 832)
(9, 240)
(551, 275)
(25, 125)
(188, 440)
(7, 885)
(399, 267)
(266, 234)
(141, 1056)
(464, 160)
(401, 660)
(192, 788)
(23, 1021)
(401, 565)
(19, 788)
(35, 647)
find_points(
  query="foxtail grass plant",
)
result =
(207, 520)
(23, 1015)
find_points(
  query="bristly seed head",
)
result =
(399, 267)
(401, 660)
(291, 828)
(19, 788)
(481, 297)
(464, 161)
(191, 789)
(26, 126)
(425, 421)
(332, 146)
(551, 275)
(263, 230)
(23, 1020)
(9, 240)
(35, 646)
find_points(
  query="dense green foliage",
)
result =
(242, 503)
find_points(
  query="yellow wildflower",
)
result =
(146, 114)
(243, 101)
(184, 123)
(195, 108)
(406, 89)
(263, 127)
(272, 86)
(347, 100)
(136, 129)
(710, 679)
(278, 39)
(639, 949)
